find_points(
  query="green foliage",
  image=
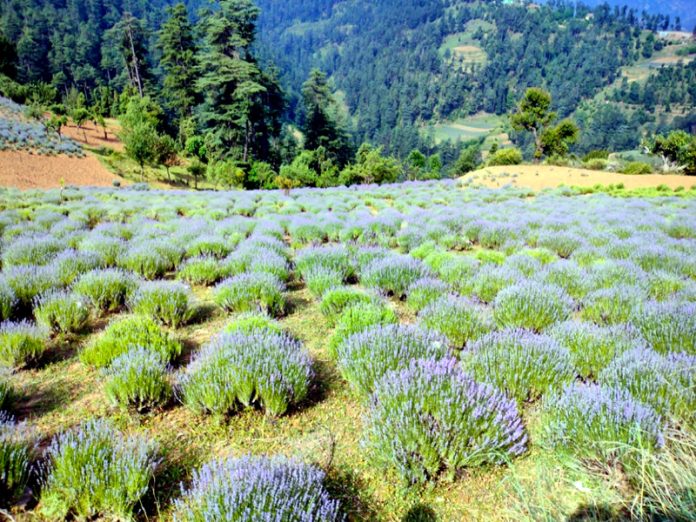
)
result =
(458, 319)
(511, 156)
(248, 292)
(358, 317)
(15, 459)
(126, 333)
(636, 167)
(531, 306)
(677, 151)
(469, 159)
(138, 379)
(335, 300)
(203, 270)
(21, 343)
(94, 470)
(107, 290)
(371, 167)
(166, 302)
(63, 312)
(247, 322)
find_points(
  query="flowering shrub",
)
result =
(62, 311)
(242, 368)
(250, 292)
(71, 264)
(256, 488)
(617, 304)
(145, 260)
(334, 258)
(598, 420)
(165, 301)
(107, 249)
(95, 471)
(208, 245)
(250, 321)
(593, 347)
(335, 300)
(5, 387)
(459, 319)
(126, 333)
(320, 279)
(29, 281)
(669, 326)
(431, 418)
(531, 305)
(562, 243)
(8, 300)
(523, 364)
(667, 383)
(425, 291)
(364, 357)
(21, 343)
(15, 459)
(394, 274)
(107, 289)
(138, 378)
(204, 270)
(358, 317)
(35, 249)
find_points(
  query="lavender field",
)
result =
(421, 351)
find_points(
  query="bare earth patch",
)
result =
(32, 171)
(537, 177)
(95, 135)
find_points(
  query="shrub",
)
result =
(636, 167)
(203, 270)
(335, 258)
(21, 343)
(126, 333)
(457, 318)
(596, 164)
(208, 245)
(256, 488)
(662, 285)
(15, 459)
(242, 368)
(364, 357)
(617, 304)
(150, 260)
(593, 347)
(335, 300)
(31, 250)
(107, 249)
(593, 420)
(251, 321)
(29, 281)
(669, 326)
(108, 289)
(511, 156)
(562, 243)
(138, 378)
(95, 471)
(531, 305)
(431, 418)
(358, 317)
(8, 300)
(394, 274)
(250, 292)
(165, 301)
(62, 311)
(457, 272)
(490, 280)
(425, 291)
(666, 383)
(320, 279)
(524, 365)
(567, 275)
(70, 264)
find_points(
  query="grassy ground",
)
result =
(482, 125)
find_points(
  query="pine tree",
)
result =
(176, 41)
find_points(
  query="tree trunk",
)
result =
(136, 71)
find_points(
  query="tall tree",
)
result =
(128, 35)
(178, 47)
(534, 115)
(320, 126)
(242, 105)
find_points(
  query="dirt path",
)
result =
(537, 177)
(32, 171)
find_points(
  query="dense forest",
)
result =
(238, 80)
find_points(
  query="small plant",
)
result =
(459, 319)
(336, 300)
(107, 249)
(16, 451)
(562, 243)
(95, 471)
(489, 281)
(256, 488)
(70, 264)
(150, 260)
(636, 167)
(165, 301)
(668, 327)
(364, 357)
(213, 246)
(524, 365)
(239, 369)
(593, 347)
(358, 317)
(320, 279)
(126, 333)
(334, 258)
(21, 343)
(613, 305)
(250, 292)
(62, 311)
(203, 270)
(250, 321)
(107, 290)
(593, 420)
(8, 300)
(138, 379)
(531, 305)
(31, 250)
(394, 274)
(511, 156)
(29, 281)
(6, 390)
(425, 291)
(431, 418)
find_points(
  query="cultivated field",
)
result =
(422, 351)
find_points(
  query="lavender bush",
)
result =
(459, 319)
(320, 279)
(8, 300)
(251, 291)
(21, 343)
(335, 300)
(256, 488)
(16, 450)
(241, 369)
(203, 270)
(669, 326)
(250, 321)
(62, 311)
(431, 418)
(394, 274)
(107, 290)
(71, 264)
(521, 363)
(96, 471)
(364, 357)
(29, 281)
(532, 306)
(35, 249)
(5, 388)
(613, 305)
(425, 291)
(357, 318)
(138, 379)
(168, 302)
